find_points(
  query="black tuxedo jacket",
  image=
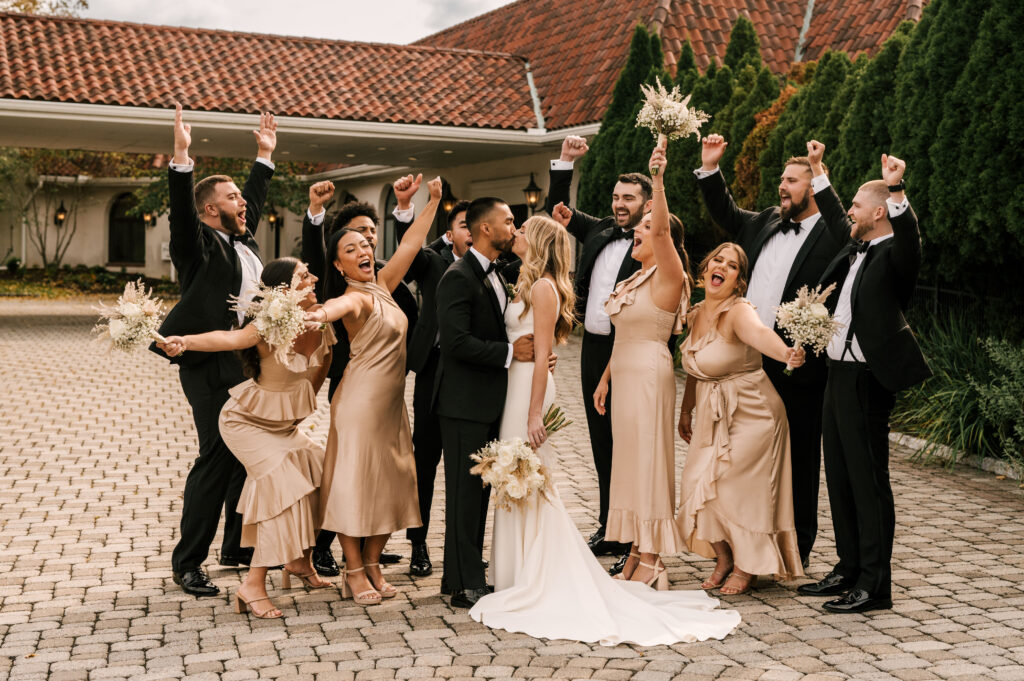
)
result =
(752, 230)
(593, 235)
(208, 267)
(426, 270)
(471, 377)
(314, 254)
(881, 292)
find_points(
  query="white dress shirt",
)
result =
(252, 267)
(409, 214)
(768, 280)
(844, 306)
(602, 283)
(499, 290)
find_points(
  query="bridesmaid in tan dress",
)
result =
(260, 425)
(369, 488)
(737, 501)
(646, 310)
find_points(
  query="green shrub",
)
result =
(1002, 397)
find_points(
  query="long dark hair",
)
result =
(333, 283)
(675, 228)
(275, 273)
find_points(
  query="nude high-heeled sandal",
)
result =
(243, 606)
(622, 575)
(368, 597)
(386, 590)
(306, 578)
(660, 575)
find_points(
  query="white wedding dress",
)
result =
(547, 582)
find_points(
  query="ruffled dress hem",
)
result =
(657, 535)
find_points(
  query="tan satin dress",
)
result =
(260, 425)
(642, 492)
(369, 470)
(736, 484)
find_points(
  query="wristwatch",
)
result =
(897, 187)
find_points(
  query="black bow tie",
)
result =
(787, 226)
(860, 246)
(490, 268)
(622, 234)
(239, 238)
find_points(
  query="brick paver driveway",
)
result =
(95, 449)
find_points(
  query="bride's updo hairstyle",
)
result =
(548, 252)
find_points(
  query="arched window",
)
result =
(127, 234)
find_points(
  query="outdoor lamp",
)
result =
(147, 219)
(532, 192)
(448, 199)
(60, 216)
(275, 223)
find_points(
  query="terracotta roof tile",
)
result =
(855, 27)
(104, 62)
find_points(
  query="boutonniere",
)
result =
(510, 291)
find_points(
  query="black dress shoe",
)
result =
(389, 558)
(858, 600)
(195, 582)
(468, 597)
(596, 538)
(243, 557)
(805, 562)
(619, 565)
(419, 563)
(831, 585)
(486, 564)
(324, 563)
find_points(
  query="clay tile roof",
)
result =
(106, 62)
(855, 27)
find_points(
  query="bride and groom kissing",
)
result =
(547, 582)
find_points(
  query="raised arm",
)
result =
(748, 328)
(717, 198)
(314, 251)
(186, 230)
(669, 277)
(405, 188)
(577, 223)
(212, 341)
(906, 235)
(412, 242)
(258, 183)
(829, 204)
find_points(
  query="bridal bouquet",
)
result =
(513, 468)
(133, 321)
(667, 113)
(277, 315)
(806, 320)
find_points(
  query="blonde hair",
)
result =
(548, 252)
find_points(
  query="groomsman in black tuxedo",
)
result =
(788, 246)
(363, 218)
(472, 378)
(424, 355)
(870, 359)
(215, 255)
(603, 261)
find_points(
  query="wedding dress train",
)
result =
(547, 582)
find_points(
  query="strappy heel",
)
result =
(386, 590)
(622, 575)
(243, 606)
(368, 597)
(738, 591)
(709, 584)
(660, 575)
(306, 578)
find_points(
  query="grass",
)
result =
(70, 282)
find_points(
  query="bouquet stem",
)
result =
(157, 337)
(662, 140)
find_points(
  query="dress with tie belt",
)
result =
(736, 483)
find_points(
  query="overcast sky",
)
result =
(388, 21)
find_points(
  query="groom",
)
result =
(470, 391)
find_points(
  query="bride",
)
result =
(547, 582)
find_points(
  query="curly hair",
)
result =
(548, 252)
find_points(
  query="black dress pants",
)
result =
(216, 477)
(466, 502)
(803, 412)
(856, 444)
(594, 357)
(426, 442)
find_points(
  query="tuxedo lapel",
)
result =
(600, 240)
(801, 255)
(491, 293)
(868, 257)
(759, 241)
(627, 267)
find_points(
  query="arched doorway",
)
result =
(126, 236)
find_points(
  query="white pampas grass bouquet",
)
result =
(806, 320)
(512, 468)
(277, 315)
(133, 320)
(667, 114)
